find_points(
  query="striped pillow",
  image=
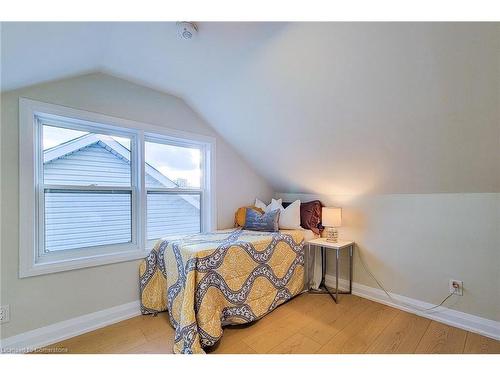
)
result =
(267, 222)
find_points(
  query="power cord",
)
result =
(392, 298)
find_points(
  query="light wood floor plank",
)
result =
(105, 340)
(121, 337)
(443, 339)
(296, 344)
(361, 332)
(308, 323)
(267, 336)
(158, 345)
(401, 336)
(477, 344)
(332, 318)
(284, 322)
(232, 343)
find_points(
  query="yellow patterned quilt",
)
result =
(209, 280)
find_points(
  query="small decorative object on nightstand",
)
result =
(331, 218)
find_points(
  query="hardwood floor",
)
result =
(309, 323)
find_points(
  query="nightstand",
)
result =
(337, 247)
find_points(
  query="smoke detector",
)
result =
(186, 30)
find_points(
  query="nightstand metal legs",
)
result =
(351, 250)
(323, 289)
(323, 266)
(336, 275)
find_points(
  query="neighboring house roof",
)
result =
(115, 148)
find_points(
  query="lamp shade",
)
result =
(331, 216)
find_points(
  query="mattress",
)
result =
(209, 280)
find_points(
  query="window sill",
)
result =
(43, 268)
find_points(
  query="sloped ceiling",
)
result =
(328, 108)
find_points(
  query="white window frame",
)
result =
(31, 163)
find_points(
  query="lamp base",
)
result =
(331, 234)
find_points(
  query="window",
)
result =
(86, 188)
(96, 189)
(173, 185)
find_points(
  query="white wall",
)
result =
(414, 243)
(38, 301)
(359, 108)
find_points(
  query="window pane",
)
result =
(72, 157)
(83, 219)
(171, 214)
(172, 166)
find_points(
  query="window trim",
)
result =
(29, 110)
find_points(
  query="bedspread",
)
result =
(209, 280)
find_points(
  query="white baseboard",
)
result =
(469, 322)
(40, 337)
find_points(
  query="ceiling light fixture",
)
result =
(186, 30)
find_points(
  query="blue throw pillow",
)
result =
(267, 222)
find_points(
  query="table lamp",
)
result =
(331, 218)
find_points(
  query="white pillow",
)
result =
(274, 205)
(290, 216)
(260, 204)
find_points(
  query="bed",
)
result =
(210, 280)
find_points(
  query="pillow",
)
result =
(310, 215)
(275, 205)
(268, 208)
(267, 222)
(240, 215)
(290, 216)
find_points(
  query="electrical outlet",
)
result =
(4, 314)
(457, 287)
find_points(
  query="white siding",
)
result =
(75, 220)
(170, 214)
